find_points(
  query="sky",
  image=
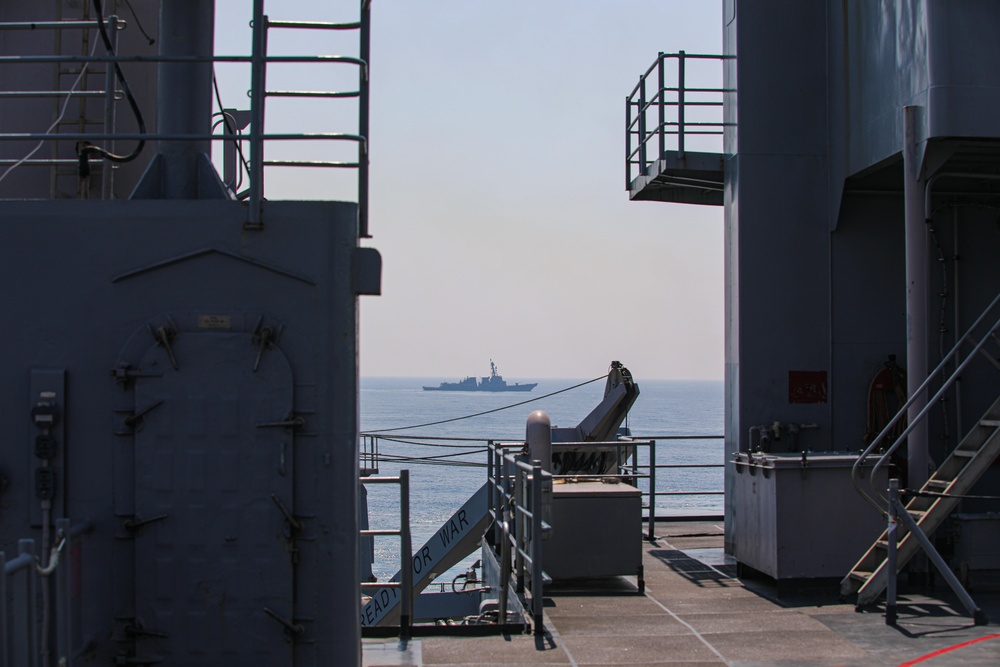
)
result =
(497, 194)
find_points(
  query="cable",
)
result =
(138, 23)
(438, 457)
(487, 412)
(85, 149)
(231, 130)
(400, 441)
(62, 113)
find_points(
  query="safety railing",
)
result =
(633, 469)
(663, 110)
(24, 632)
(516, 507)
(369, 454)
(975, 336)
(259, 93)
(108, 96)
(662, 482)
(405, 582)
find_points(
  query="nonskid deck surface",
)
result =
(695, 612)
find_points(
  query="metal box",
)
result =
(798, 515)
(596, 531)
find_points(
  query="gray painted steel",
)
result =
(775, 491)
(814, 205)
(815, 255)
(184, 456)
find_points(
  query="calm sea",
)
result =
(445, 470)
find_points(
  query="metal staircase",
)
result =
(929, 508)
(910, 526)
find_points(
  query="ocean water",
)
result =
(447, 461)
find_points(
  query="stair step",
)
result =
(964, 453)
(883, 544)
(989, 422)
(859, 575)
(940, 483)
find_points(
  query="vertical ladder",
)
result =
(955, 477)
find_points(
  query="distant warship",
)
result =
(494, 382)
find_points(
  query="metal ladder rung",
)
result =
(310, 163)
(312, 93)
(941, 483)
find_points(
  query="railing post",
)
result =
(537, 585)
(258, 81)
(110, 85)
(519, 506)
(628, 142)
(680, 104)
(64, 596)
(890, 559)
(504, 520)
(642, 126)
(661, 94)
(406, 567)
(25, 623)
(4, 639)
(363, 113)
(652, 490)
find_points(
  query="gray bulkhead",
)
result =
(814, 209)
(168, 448)
(205, 377)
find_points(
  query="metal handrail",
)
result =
(21, 646)
(258, 60)
(874, 498)
(642, 101)
(405, 584)
(516, 507)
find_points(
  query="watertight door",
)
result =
(213, 499)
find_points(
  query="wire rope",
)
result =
(485, 412)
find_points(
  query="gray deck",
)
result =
(695, 612)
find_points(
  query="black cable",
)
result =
(230, 130)
(401, 441)
(86, 149)
(436, 457)
(138, 23)
(480, 414)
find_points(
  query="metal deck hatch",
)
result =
(213, 492)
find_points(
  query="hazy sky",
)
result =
(497, 188)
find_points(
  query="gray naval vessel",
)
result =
(492, 382)
(179, 483)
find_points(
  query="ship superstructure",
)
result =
(181, 416)
(857, 159)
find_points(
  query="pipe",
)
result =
(538, 434)
(958, 356)
(184, 92)
(916, 297)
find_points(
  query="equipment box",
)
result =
(798, 516)
(596, 531)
